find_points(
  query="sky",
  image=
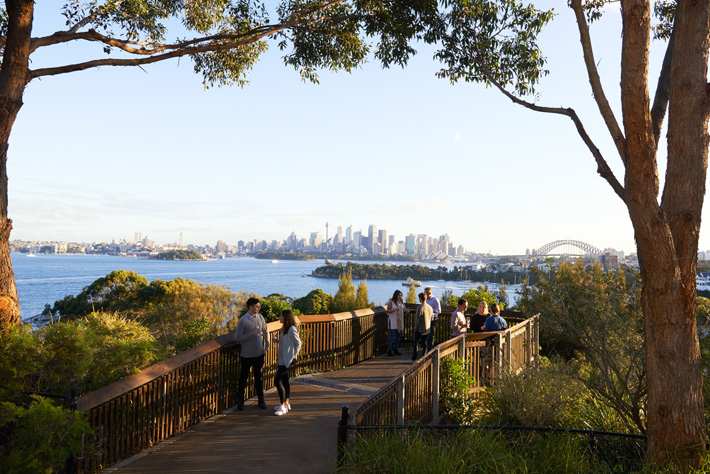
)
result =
(100, 154)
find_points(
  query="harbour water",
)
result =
(46, 278)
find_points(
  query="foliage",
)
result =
(40, 437)
(596, 318)
(315, 302)
(498, 39)
(271, 307)
(547, 395)
(179, 255)
(474, 296)
(477, 451)
(455, 398)
(502, 295)
(87, 353)
(117, 291)
(164, 306)
(379, 271)
(194, 332)
(344, 299)
(272, 254)
(412, 297)
(361, 299)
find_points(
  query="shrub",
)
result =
(545, 395)
(455, 399)
(41, 437)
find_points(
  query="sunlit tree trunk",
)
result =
(13, 79)
(667, 233)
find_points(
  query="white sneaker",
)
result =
(288, 407)
(281, 407)
(280, 411)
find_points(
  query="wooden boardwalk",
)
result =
(256, 441)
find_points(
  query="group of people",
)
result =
(427, 320)
(253, 334)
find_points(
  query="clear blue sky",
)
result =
(101, 154)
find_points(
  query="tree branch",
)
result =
(53, 71)
(600, 98)
(85, 21)
(660, 100)
(602, 166)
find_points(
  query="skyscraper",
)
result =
(182, 239)
(137, 237)
(371, 238)
(349, 235)
(382, 240)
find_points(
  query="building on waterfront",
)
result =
(182, 240)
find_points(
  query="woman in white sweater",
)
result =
(289, 346)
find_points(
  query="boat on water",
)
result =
(31, 254)
(411, 281)
(274, 261)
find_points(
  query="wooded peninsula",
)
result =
(378, 271)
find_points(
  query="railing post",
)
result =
(343, 435)
(509, 349)
(499, 350)
(536, 325)
(400, 400)
(462, 348)
(435, 376)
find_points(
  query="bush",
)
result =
(547, 395)
(40, 438)
(455, 400)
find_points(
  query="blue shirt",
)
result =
(435, 306)
(495, 323)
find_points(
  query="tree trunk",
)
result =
(667, 234)
(14, 76)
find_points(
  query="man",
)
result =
(422, 326)
(432, 301)
(253, 335)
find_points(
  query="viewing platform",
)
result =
(178, 415)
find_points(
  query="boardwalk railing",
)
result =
(134, 413)
(413, 396)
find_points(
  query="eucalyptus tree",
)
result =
(494, 42)
(223, 38)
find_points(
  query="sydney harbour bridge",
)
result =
(568, 247)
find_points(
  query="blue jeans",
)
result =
(393, 339)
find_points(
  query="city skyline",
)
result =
(400, 147)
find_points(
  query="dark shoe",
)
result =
(414, 357)
(397, 353)
(240, 406)
(389, 353)
(262, 404)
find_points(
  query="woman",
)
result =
(289, 346)
(395, 322)
(458, 319)
(495, 322)
(478, 320)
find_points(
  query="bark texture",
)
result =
(14, 76)
(667, 233)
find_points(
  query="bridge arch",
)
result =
(583, 246)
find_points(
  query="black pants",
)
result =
(257, 363)
(420, 339)
(282, 384)
(432, 333)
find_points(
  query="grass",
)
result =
(471, 451)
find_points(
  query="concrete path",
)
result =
(256, 441)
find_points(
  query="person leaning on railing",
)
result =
(395, 322)
(495, 322)
(422, 326)
(253, 334)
